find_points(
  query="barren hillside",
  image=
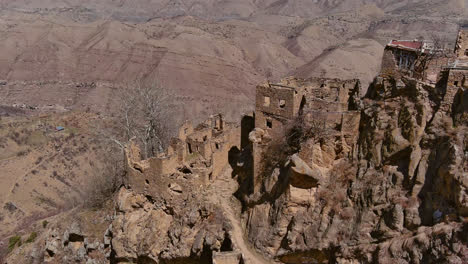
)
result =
(61, 63)
(209, 54)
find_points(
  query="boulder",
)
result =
(303, 176)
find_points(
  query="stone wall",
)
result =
(221, 146)
(388, 65)
(454, 79)
(185, 129)
(274, 103)
(318, 100)
(227, 258)
(163, 165)
(202, 152)
(391, 66)
(460, 107)
(396, 59)
(278, 103)
(461, 48)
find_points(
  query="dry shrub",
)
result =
(334, 193)
(39, 159)
(105, 180)
(21, 137)
(22, 153)
(288, 141)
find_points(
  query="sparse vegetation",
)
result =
(45, 223)
(39, 160)
(334, 194)
(13, 241)
(21, 153)
(284, 144)
(31, 237)
(104, 181)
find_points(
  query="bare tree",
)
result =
(143, 116)
(425, 57)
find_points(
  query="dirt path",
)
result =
(220, 192)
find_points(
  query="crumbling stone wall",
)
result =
(274, 104)
(185, 129)
(461, 48)
(388, 65)
(202, 152)
(227, 258)
(221, 145)
(330, 100)
(452, 80)
(397, 61)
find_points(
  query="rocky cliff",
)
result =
(384, 181)
(402, 199)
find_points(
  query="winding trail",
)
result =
(220, 192)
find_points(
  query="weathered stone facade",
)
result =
(227, 258)
(332, 101)
(278, 103)
(393, 198)
(461, 48)
(417, 59)
(201, 152)
(453, 80)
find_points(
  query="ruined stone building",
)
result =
(275, 104)
(414, 58)
(404, 53)
(199, 153)
(330, 102)
(461, 47)
(447, 70)
(454, 79)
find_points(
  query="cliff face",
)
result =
(402, 199)
(382, 179)
(150, 231)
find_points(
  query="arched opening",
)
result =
(302, 105)
(227, 243)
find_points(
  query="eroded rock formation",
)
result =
(324, 176)
(401, 199)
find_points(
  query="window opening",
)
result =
(282, 103)
(189, 146)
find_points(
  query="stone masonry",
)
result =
(330, 100)
(201, 152)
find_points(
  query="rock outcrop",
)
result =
(160, 231)
(382, 180)
(74, 246)
(401, 199)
